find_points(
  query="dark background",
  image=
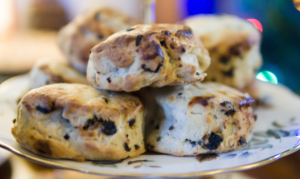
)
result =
(280, 19)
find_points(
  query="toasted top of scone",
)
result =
(222, 31)
(147, 55)
(48, 71)
(80, 102)
(87, 30)
(234, 47)
(201, 93)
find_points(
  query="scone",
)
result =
(74, 121)
(234, 48)
(87, 30)
(252, 88)
(147, 55)
(197, 118)
(48, 71)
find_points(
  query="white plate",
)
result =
(15, 87)
(276, 134)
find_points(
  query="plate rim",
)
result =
(111, 174)
(114, 174)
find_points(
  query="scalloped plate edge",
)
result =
(113, 174)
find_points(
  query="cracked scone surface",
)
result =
(147, 55)
(234, 48)
(197, 118)
(49, 71)
(87, 30)
(74, 121)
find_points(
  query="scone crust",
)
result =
(197, 118)
(87, 30)
(233, 45)
(73, 121)
(147, 55)
(49, 71)
(252, 88)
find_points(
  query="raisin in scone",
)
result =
(234, 48)
(48, 71)
(197, 118)
(75, 121)
(87, 30)
(147, 55)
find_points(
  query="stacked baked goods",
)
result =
(89, 29)
(147, 55)
(146, 92)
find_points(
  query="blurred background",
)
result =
(28, 31)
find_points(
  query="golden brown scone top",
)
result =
(148, 40)
(224, 31)
(88, 29)
(154, 55)
(234, 47)
(80, 103)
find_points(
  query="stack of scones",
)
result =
(127, 88)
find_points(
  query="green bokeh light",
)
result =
(267, 76)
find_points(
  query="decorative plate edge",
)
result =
(114, 174)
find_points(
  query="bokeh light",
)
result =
(267, 76)
(256, 24)
(297, 4)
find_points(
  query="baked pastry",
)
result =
(234, 48)
(87, 30)
(48, 71)
(147, 55)
(252, 89)
(74, 121)
(197, 118)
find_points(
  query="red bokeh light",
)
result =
(256, 24)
